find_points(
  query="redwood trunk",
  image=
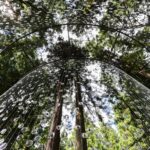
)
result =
(81, 143)
(54, 139)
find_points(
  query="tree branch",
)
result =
(102, 27)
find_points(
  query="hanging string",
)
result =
(68, 33)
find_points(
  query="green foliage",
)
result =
(15, 64)
(124, 54)
(122, 37)
(133, 58)
(122, 40)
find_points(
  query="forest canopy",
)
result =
(75, 74)
(121, 34)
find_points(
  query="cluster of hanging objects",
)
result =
(75, 104)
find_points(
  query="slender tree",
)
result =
(54, 134)
(81, 142)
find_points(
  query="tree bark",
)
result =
(54, 133)
(81, 143)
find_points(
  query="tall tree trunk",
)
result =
(54, 133)
(81, 143)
